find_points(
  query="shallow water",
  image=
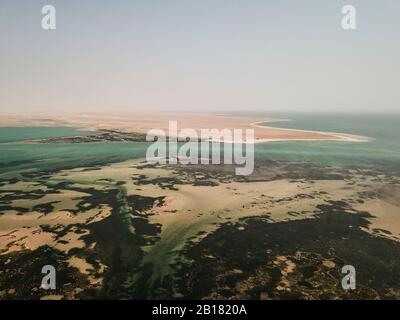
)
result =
(382, 149)
(13, 134)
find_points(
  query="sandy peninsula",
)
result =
(142, 122)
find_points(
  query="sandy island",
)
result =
(142, 122)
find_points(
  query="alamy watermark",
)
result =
(49, 17)
(195, 149)
(49, 280)
(349, 280)
(349, 20)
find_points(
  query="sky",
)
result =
(199, 55)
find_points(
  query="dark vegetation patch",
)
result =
(6, 197)
(45, 207)
(162, 182)
(118, 239)
(21, 277)
(20, 210)
(334, 235)
(101, 136)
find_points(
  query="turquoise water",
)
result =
(12, 134)
(382, 149)
(17, 157)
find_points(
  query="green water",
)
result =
(382, 149)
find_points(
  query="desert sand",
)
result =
(144, 121)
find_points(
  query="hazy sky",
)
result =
(193, 55)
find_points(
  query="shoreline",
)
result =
(141, 123)
(343, 137)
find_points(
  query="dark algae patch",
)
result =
(20, 274)
(102, 136)
(293, 260)
(118, 239)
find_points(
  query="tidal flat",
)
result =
(115, 227)
(130, 230)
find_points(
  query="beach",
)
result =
(143, 122)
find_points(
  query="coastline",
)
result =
(333, 136)
(141, 123)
